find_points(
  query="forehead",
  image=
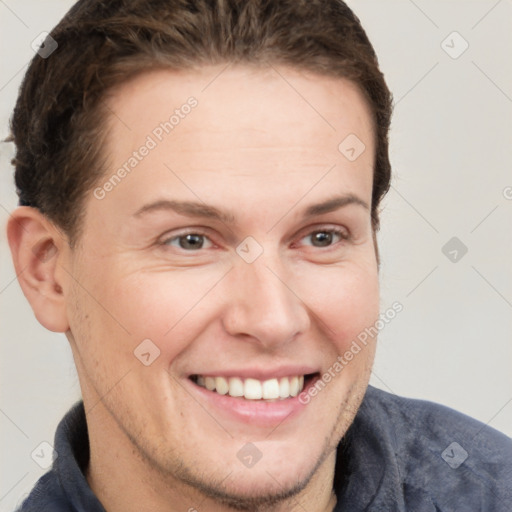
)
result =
(245, 130)
(251, 98)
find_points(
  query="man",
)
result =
(207, 241)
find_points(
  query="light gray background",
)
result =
(451, 150)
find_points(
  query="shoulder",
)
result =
(432, 420)
(451, 457)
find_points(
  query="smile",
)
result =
(253, 389)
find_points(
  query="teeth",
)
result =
(294, 386)
(270, 389)
(253, 389)
(209, 383)
(221, 385)
(284, 387)
(236, 386)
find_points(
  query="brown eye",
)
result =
(324, 238)
(189, 242)
(321, 238)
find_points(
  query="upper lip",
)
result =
(260, 373)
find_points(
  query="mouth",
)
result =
(269, 390)
(256, 398)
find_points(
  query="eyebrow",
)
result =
(196, 209)
(189, 208)
(334, 204)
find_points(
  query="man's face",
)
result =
(231, 246)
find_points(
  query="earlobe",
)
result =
(37, 247)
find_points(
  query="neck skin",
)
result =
(124, 482)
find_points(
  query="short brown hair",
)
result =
(58, 119)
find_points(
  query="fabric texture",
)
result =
(398, 455)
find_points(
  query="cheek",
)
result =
(345, 299)
(167, 307)
(173, 307)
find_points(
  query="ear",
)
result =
(37, 249)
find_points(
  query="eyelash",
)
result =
(343, 235)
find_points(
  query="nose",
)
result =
(263, 305)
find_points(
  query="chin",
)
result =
(264, 485)
(241, 492)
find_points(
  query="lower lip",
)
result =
(252, 412)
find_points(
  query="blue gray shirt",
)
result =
(398, 455)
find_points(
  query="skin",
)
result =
(262, 154)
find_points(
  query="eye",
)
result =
(324, 237)
(189, 242)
